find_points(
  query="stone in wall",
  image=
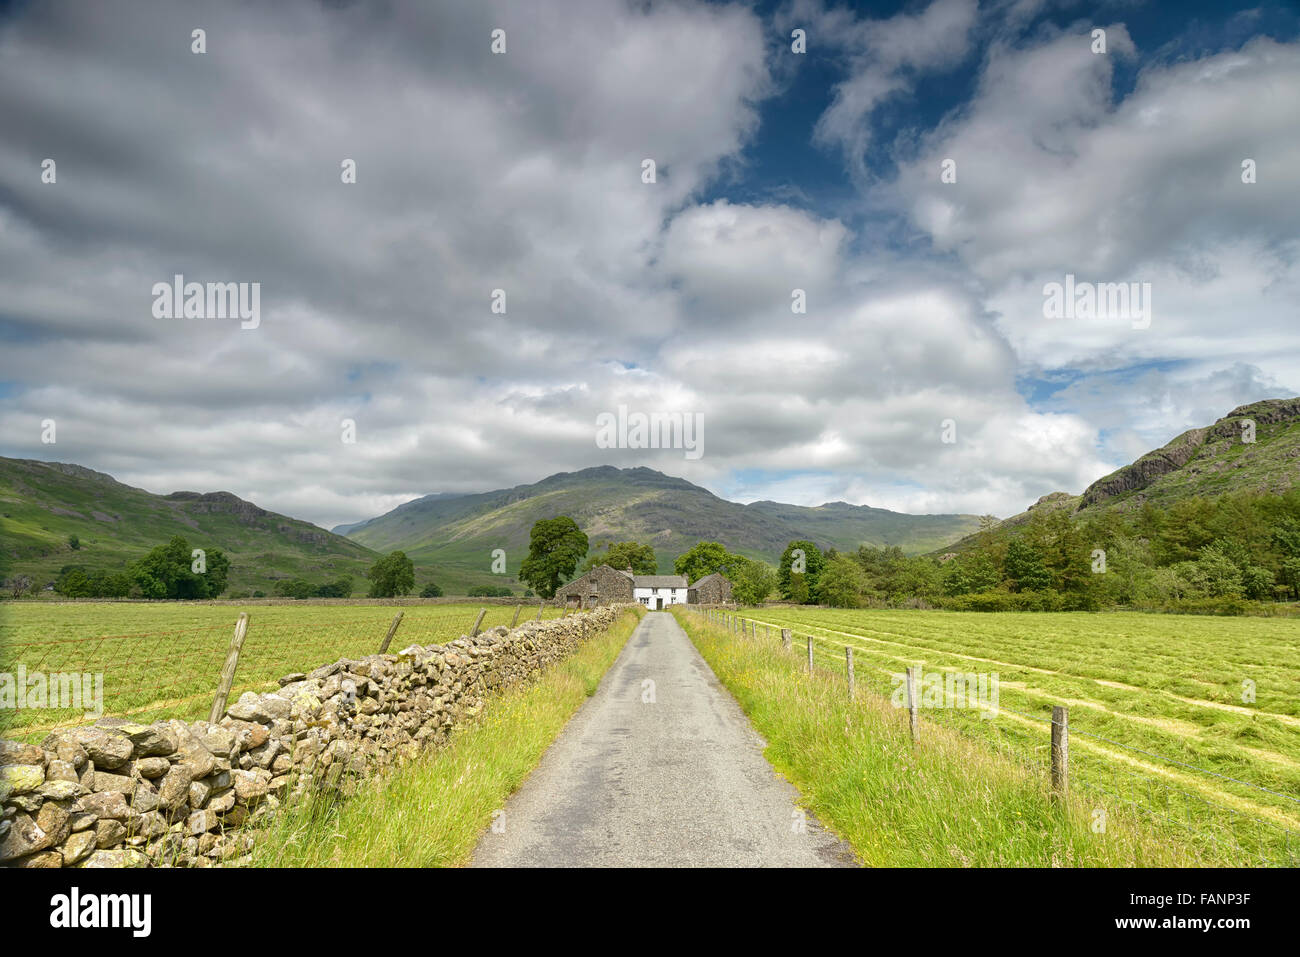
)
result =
(124, 794)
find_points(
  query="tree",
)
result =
(751, 581)
(335, 589)
(555, 546)
(298, 588)
(431, 590)
(19, 585)
(74, 542)
(969, 573)
(106, 584)
(73, 583)
(1025, 568)
(1257, 582)
(168, 571)
(392, 575)
(704, 558)
(1291, 575)
(1215, 574)
(807, 567)
(623, 555)
(840, 583)
(217, 572)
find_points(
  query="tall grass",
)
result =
(948, 801)
(1145, 692)
(430, 812)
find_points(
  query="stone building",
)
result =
(710, 590)
(607, 586)
(600, 586)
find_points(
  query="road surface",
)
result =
(660, 768)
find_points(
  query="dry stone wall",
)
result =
(122, 794)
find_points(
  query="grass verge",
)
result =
(431, 811)
(946, 802)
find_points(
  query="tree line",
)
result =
(1231, 554)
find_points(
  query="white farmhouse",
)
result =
(659, 591)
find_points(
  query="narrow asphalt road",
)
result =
(660, 768)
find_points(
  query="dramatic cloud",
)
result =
(523, 172)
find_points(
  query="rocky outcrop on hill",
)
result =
(1213, 439)
(119, 794)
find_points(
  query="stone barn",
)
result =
(609, 586)
(712, 589)
(600, 586)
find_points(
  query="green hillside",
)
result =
(43, 504)
(1208, 462)
(640, 504)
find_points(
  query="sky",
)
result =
(921, 171)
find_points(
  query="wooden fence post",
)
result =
(912, 719)
(514, 621)
(228, 669)
(785, 639)
(1060, 751)
(392, 630)
(810, 665)
(848, 660)
(541, 607)
(478, 622)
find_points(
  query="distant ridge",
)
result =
(43, 504)
(613, 504)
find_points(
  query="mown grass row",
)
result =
(431, 811)
(163, 661)
(1117, 674)
(947, 801)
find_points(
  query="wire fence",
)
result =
(1198, 816)
(65, 680)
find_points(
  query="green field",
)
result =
(162, 660)
(1165, 692)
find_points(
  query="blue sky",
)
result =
(521, 171)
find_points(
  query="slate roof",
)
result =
(659, 581)
(707, 578)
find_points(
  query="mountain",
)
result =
(42, 504)
(1211, 460)
(612, 504)
(1207, 461)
